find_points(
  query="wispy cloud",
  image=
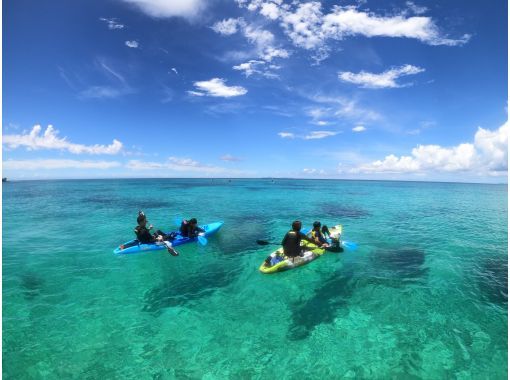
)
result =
(308, 27)
(230, 158)
(112, 23)
(179, 164)
(132, 44)
(265, 48)
(359, 128)
(313, 135)
(189, 9)
(216, 87)
(52, 164)
(386, 79)
(36, 140)
(116, 87)
(488, 154)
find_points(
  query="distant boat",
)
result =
(4, 179)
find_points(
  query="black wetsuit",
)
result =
(187, 230)
(292, 243)
(143, 235)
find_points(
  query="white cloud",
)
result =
(216, 87)
(178, 164)
(341, 108)
(174, 70)
(132, 44)
(416, 9)
(319, 135)
(264, 46)
(382, 80)
(188, 9)
(359, 128)
(314, 135)
(229, 26)
(230, 158)
(51, 164)
(487, 155)
(112, 23)
(249, 68)
(286, 135)
(118, 85)
(312, 171)
(308, 27)
(36, 140)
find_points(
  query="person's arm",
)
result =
(311, 240)
(284, 239)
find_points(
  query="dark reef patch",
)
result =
(493, 280)
(183, 291)
(403, 264)
(112, 202)
(31, 285)
(341, 211)
(324, 306)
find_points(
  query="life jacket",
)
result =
(292, 243)
(143, 235)
(184, 229)
(319, 235)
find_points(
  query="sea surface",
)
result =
(423, 297)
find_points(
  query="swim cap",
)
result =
(316, 223)
(296, 225)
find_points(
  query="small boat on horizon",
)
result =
(4, 179)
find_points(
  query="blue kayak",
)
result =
(134, 246)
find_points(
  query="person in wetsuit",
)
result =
(319, 236)
(144, 235)
(190, 228)
(292, 240)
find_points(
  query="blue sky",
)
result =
(255, 88)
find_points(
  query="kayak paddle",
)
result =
(351, 246)
(202, 240)
(265, 242)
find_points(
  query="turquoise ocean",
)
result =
(424, 296)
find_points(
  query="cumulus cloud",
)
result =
(112, 23)
(310, 28)
(188, 9)
(36, 140)
(359, 128)
(387, 79)
(132, 44)
(488, 154)
(264, 46)
(216, 87)
(51, 164)
(229, 26)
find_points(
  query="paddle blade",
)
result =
(202, 240)
(351, 246)
(263, 242)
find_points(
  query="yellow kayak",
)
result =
(310, 253)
